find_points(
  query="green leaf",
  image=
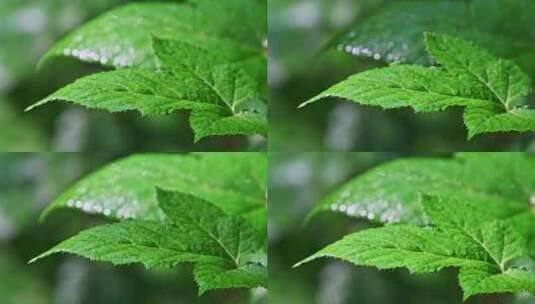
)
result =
(192, 79)
(393, 192)
(469, 77)
(125, 189)
(224, 275)
(483, 250)
(202, 56)
(195, 231)
(423, 89)
(482, 74)
(122, 37)
(210, 123)
(380, 36)
(486, 280)
(490, 118)
(489, 23)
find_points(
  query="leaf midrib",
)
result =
(395, 249)
(213, 237)
(193, 72)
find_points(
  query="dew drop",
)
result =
(88, 207)
(352, 210)
(84, 55)
(98, 209)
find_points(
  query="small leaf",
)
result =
(491, 118)
(219, 275)
(485, 279)
(211, 123)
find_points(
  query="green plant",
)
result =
(482, 82)
(502, 26)
(173, 209)
(474, 212)
(203, 56)
(491, 90)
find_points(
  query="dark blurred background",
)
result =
(28, 182)
(299, 180)
(27, 29)
(299, 68)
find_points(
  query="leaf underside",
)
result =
(125, 189)
(393, 192)
(491, 90)
(486, 22)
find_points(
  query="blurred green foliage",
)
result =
(29, 182)
(297, 182)
(27, 29)
(300, 66)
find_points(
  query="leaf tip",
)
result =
(43, 61)
(43, 216)
(302, 262)
(33, 260)
(430, 39)
(39, 257)
(304, 104)
(162, 193)
(202, 290)
(471, 134)
(29, 108)
(156, 40)
(37, 104)
(430, 35)
(312, 100)
(198, 136)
